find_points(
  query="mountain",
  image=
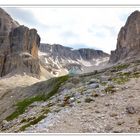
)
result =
(19, 53)
(102, 101)
(128, 42)
(57, 58)
(18, 47)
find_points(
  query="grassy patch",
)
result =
(33, 122)
(120, 67)
(135, 75)
(122, 78)
(104, 83)
(22, 105)
(78, 101)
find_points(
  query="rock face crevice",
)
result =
(128, 41)
(18, 47)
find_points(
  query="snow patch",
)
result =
(85, 63)
(46, 61)
(41, 53)
(101, 60)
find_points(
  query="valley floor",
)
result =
(104, 101)
(115, 113)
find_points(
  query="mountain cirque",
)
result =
(128, 42)
(56, 57)
(18, 47)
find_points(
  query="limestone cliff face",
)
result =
(128, 42)
(18, 47)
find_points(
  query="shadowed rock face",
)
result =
(18, 47)
(128, 42)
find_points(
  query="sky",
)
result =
(78, 27)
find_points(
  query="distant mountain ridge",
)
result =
(57, 56)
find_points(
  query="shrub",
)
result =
(33, 122)
(110, 89)
(88, 100)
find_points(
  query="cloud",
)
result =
(26, 17)
(22, 15)
(69, 34)
(75, 27)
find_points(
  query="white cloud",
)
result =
(91, 27)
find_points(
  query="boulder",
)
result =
(94, 85)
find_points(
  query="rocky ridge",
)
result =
(56, 57)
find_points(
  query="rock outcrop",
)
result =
(18, 47)
(128, 42)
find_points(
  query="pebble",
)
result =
(92, 81)
(97, 111)
(117, 131)
(94, 85)
(108, 128)
(120, 122)
(113, 114)
(130, 110)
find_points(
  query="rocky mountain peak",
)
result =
(134, 16)
(128, 41)
(6, 22)
(18, 47)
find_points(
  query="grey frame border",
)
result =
(71, 6)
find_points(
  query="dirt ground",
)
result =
(114, 113)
